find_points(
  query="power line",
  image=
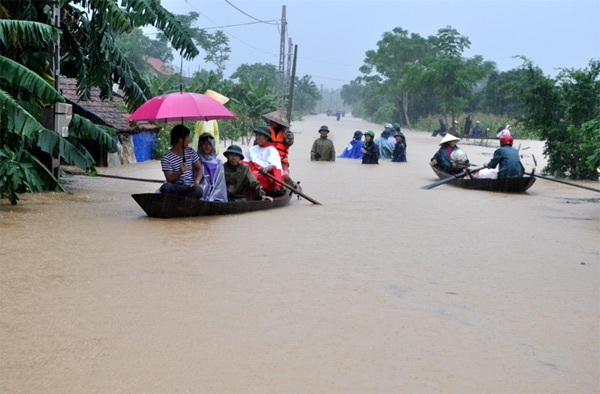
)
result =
(248, 15)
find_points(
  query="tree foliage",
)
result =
(306, 95)
(566, 113)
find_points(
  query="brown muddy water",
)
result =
(385, 287)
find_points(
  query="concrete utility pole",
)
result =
(58, 116)
(280, 89)
(288, 78)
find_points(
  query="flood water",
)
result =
(385, 287)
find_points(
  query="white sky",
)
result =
(333, 35)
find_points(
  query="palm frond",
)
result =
(149, 12)
(85, 129)
(22, 78)
(19, 121)
(70, 150)
(14, 32)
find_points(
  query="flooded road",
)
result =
(385, 287)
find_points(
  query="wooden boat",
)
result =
(505, 185)
(159, 205)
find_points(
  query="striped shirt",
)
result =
(172, 162)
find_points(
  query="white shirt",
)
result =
(264, 156)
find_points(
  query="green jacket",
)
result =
(240, 180)
(322, 150)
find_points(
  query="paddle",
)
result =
(451, 178)
(125, 178)
(291, 188)
(561, 181)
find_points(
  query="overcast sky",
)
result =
(333, 35)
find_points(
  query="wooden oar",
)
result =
(291, 188)
(451, 178)
(125, 178)
(563, 182)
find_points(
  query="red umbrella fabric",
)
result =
(181, 106)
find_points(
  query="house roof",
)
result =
(103, 112)
(159, 66)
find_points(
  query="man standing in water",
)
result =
(182, 180)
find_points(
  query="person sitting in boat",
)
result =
(181, 166)
(370, 150)
(241, 183)
(282, 138)
(442, 130)
(354, 148)
(442, 159)
(507, 159)
(264, 160)
(400, 148)
(322, 148)
(213, 181)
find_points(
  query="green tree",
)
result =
(351, 94)
(395, 50)
(306, 95)
(257, 72)
(216, 45)
(566, 113)
(448, 75)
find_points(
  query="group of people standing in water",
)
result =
(391, 144)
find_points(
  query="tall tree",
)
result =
(395, 50)
(306, 95)
(257, 72)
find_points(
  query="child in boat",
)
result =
(241, 183)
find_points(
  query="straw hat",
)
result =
(217, 96)
(277, 117)
(448, 138)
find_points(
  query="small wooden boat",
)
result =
(505, 185)
(159, 205)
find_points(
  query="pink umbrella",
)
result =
(181, 106)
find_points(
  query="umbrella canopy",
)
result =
(181, 106)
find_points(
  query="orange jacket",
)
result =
(279, 143)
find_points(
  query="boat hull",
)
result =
(158, 205)
(503, 185)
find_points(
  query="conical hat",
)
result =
(278, 117)
(217, 96)
(448, 138)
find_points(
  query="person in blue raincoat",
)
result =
(386, 148)
(508, 160)
(442, 158)
(354, 147)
